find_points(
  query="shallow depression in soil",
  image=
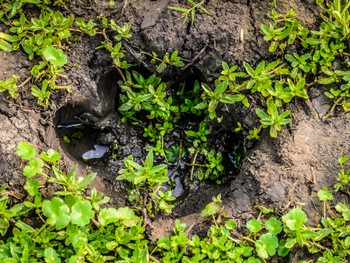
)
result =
(104, 146)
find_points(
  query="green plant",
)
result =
(147, 183)
(338, 13)
(190, 12)
(73, 226)
(199, 137)
(191, 99)
(175, 153)
(10, 85)
(172, 59)
(213, 167)
(272, 118)
(221, 94)
(283, 30)
(42, 94)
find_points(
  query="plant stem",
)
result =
(153, 258)
(121, 74)
(249, 239)
(193, 164)
(333, 108)
(24, 82)
(94, 221)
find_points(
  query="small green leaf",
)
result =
(57, 212)
(33, 168)
(32, 187)
(343, 159)
(295, 219)
(210, 209)
(108, 216)
(231, 224)
(5, 46)
(86, 181)
(325, 195)
(26, 151)
(51, 156)
(55, 56)
(254, 225)
(127, 216)
(266, 245)
(273, 225)
(161, 67)
(51, 256)
(81, 213)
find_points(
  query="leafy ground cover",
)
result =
(72, 226)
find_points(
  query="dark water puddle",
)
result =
(98, 152)
(79, 140)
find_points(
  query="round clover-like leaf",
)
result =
(81, 213)
(33, 167)
(231, 224)
(51, 256)
(252, 260)
(107, 216)
(254, 225)
(325, 195)
(266, 245)
(32, 187)
(51, 156)
(57, 212)
(273, 225)
(26, 151)
(55, 56)
(294, 219)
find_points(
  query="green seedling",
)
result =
(88, 28)
(221, 94)
(343, 175)
(260, 78)
(148, 179)
(229, 73)
(117, 54)
(324, 195)
(200, 136)
(282, 94)
(283, 31)
(302, 63)
(214, 167)
(273, 119)
(174, 153)
(190, 12)
(172, 59)
(191, 99)
(214, 209)
(42, 94)
(298, 90)
(10, 85)
(7, 214)
(339, 14)
(254, 134)
(122, 32)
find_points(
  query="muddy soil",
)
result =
(277, 173)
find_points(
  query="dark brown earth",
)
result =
(276, 173)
